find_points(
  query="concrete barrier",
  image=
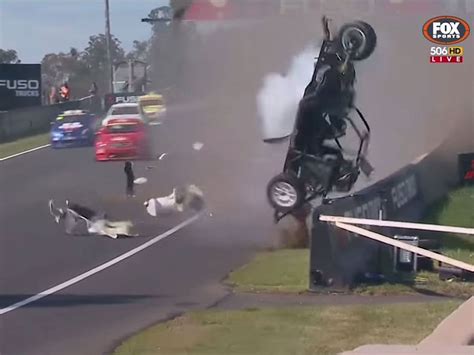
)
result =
(337, 257)
(29, 121)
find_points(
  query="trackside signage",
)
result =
(404, 191)
(121, 98)
(20, 86)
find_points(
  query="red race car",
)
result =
(124, 138)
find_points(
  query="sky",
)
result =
(36, 27)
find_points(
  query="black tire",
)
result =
(286, 181)
(363, 34)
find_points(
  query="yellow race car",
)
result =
(152, 107)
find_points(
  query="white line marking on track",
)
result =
(99, 268)
(25, 152)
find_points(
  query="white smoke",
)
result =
(277, 100)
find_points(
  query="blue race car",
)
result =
(75, 128)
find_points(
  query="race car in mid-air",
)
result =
(316, 163)
(123, 138)
(122, 110)
(73, 128)
(152, 108)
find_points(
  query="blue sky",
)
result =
(37, 27)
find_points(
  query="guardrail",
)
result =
(338, 256)
(29, 121)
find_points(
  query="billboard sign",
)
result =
(20, 86)
(121, 98)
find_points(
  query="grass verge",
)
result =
(287, 270)
(22, 144)
(292, 330)
(284, 270)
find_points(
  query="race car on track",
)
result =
(73, 128)
(152, 107)
(123, 110)
(123, 138)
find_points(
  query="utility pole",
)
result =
(109, 48)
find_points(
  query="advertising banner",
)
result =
(121, 98)
(20, 86)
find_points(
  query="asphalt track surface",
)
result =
(183, 271)
(176, 274)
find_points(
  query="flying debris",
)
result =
(140, 180)
(81, 220)
(189, 197)
(198, 146)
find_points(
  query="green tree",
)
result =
(8, 56)
(169, 44)
(58, 68)
(95, 54)
(95, 58)
(139, 51)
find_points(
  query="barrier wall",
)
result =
(337, 257)
(34, 120)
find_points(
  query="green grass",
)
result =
(22, 144)
(283, 270)
(287, 270)
(456, 210)
(424, 282)
(293, 330)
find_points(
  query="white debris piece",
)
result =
(140, 180)
(198, 146)
(181, 199)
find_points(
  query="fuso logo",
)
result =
(20, 84)
(126, 99)
(446, 30)
(22, 88)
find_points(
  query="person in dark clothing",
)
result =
(128, 169)
(65, 92)
(93, 90)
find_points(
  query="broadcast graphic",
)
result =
(446, 31)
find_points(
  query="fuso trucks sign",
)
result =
(20, 86)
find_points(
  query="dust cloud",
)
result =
(277, 100)
(240, 72)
